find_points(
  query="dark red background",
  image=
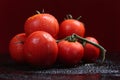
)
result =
(101, 18)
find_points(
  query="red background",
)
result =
(101, 18)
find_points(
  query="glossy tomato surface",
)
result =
(16, 47)
(42, 22)
(91, 53)
(70, 26)
(70, 53)
(40, 49)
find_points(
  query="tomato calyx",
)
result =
(68, 38)
(69, 16)
(38, 12)
(71, 38)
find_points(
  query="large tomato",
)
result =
(91, 52)
(70, 53)
(16, 47)
(40, 49)
(42, 22)
(70, 26)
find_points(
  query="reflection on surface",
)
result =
(110, 70)
(17, 76)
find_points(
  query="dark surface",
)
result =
(109, 70)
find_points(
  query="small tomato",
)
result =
(91, 52)
(70, 26)
(70, 53)
(16, 47)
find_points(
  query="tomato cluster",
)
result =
(45, 42)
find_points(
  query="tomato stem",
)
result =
(83, 43)
(43, 11)
(67, 16)
(38, 12)
(103, 51)
(70, 38)
(79, 18)
(70, 16)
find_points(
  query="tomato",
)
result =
(70, 53)
(91, 52)
(42, 22)
(16, 47)
(40, 49)
(70, 26)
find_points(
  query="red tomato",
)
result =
(70, 26)
(16, 47)
(91, 52)
(42, 22)
(40, 49)
(70, 53)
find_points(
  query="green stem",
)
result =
(43, 11)
(70, 16)
(38, 12)
(103, 51)
(79, 18)
(67, 16)
(68, 38)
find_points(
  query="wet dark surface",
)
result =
(109, 70)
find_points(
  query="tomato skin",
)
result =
(70, 53)
(91, 52)
(16, 47)
(70, 26)
(42, 22)
(40, 49)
